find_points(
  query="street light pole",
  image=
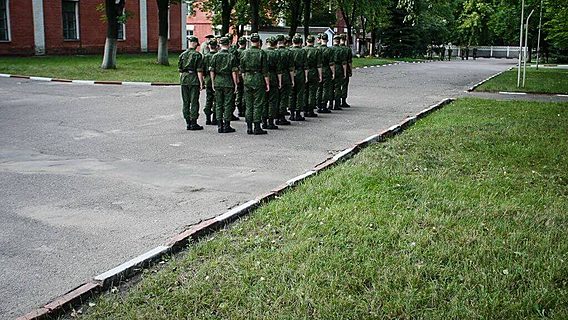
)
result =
(538, 41)
(526, 48)
(521, 44)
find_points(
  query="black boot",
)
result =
(310, 114)
(188, 124)
(286, 113)
(193, 126)
(220, 126)
(292, 115)
(323, 109)
(264, 123)
(330, 106)
(234, 118)
(258, 130)
(227, 127)
(344, 104)
(337, 104)
(271, 124)
(249, 128)
(299, 116)
(214, 119)
(208, 119)
(282, 121)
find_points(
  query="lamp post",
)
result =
(538, 41)
(521, 44)
(526, 48)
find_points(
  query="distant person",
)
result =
(466, 53)
(474, 53)
(190, 67)
(239, 101)
(205, 45)
(223, 69)
(449, 53)
(442, 53)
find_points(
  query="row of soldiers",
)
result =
(264, 85)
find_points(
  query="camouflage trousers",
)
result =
(190, 99)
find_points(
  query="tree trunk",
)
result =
(112, 11)
(254, 15)
(163, 13)
(295, 13)
(373, 42)
(307, 16)
(226, 9)
(109, 57)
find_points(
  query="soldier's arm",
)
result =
(235, 71)
(265, 70)
(180, 63)
(199, 70)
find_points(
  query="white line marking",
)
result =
(128, 83)
(512, 93)
(40, 78)
(3, 75)
(83, 81)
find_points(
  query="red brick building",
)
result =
(29, 27)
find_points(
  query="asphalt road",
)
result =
(92, 176)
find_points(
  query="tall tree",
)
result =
(295, 12)
(254, 15)
(114, 15)
(349, 10)
(307, 17)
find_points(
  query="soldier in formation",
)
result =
(264, 85)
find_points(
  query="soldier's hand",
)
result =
(321, 80)
(267, 88)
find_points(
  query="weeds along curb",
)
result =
(112, 277)
(134, 83)
(491, 77)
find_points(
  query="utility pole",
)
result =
(526, 48)
(538, 41)
(521, 44)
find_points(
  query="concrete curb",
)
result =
(133, 83)
(392, 64)
(134, 266)
(483, 81)
(89, 82)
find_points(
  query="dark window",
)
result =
(70, 24)
(121, 30)
(4, 28)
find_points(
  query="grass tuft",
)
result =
(543, 80)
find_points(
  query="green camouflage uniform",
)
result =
(349, 59)
(223, 64)
(274, 68)
(327, 84)
(190, 63)
(313, 63)
(288, 66)
(240, 87)
(297, 96)
(340, 59)
(209, 93)
(254, 66)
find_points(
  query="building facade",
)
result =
(37, 27)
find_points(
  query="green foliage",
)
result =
(543, 80)
(557, 25)
(473, 22)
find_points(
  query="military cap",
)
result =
(280, 37)
(224, 41)
(310, 39)
(254, 37)
(229, 35)
(242, 40)
(272, 40)
(336, 37)
(318, 36)
(209, 36)
(218, 36)
(343, 37)
(297, 39)
(324, 36)
(193, 39)
(212, 42)
(287, 38)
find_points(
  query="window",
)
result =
(4, 21)
(70, 19)
(121, 30)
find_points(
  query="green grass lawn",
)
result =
(537, 81)
(139, 67)
(130, 67)
(463, 216)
